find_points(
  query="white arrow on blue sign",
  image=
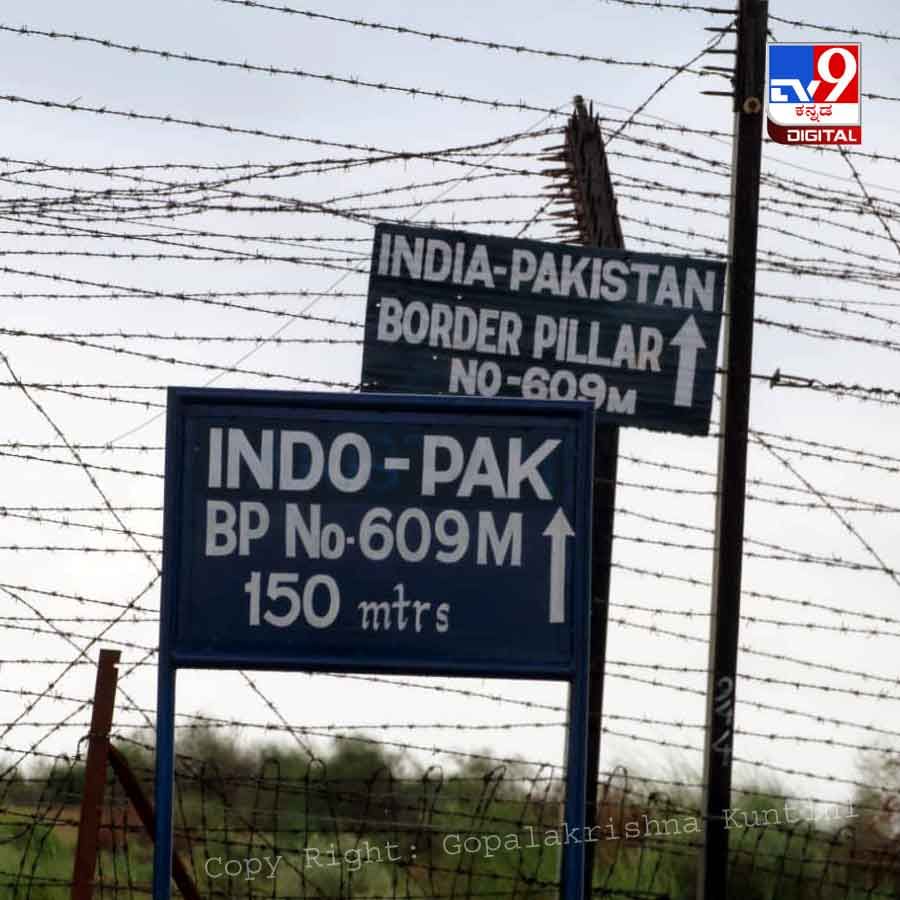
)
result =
(558, 531)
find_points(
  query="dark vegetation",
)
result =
(386, 826)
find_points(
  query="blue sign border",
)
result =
(179, 402)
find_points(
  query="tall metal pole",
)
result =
(596, 225)
(750, 71)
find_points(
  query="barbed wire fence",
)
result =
(122, 275)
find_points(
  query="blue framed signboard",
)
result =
(375, 533)
(637, 334)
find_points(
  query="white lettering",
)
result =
(479, 268)
(482, 470)
(260, 465)
(287, 481)
(614, 285)
(524, 265)
(527, 470)
(411, 258)
(510, 332)
(572, 277)
(499, 545)
(384, 256)
(221, 517)
(651, 346)
(247, 529)
(431, 474)
(616, 403)
(487, 329)
(309, 596)
(295, 526)
(643, 270)
(441, 324)
(462, 375)
(390, 313)
(624, 352)
(547, 278)
(351, 484)
(215, 458)
(431, 270)
(415, 322)
(465, 329)
(667, 288)
(703, 293)
(545, 328)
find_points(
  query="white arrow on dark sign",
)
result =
(689, 342)
(558, 530)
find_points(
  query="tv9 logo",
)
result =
(813, 93)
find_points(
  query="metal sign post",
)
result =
(368, 533)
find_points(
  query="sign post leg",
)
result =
(572, 874)
(165, 774)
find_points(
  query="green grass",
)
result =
(273, 803)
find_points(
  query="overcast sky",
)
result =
(804, 182)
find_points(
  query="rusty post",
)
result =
(95, 776)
